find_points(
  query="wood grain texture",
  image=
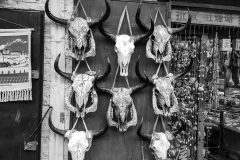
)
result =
(115, 145)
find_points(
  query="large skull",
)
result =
(79, 142)
(124, 45)
(163, 97)
(79, 37)
(124, 48)
(158, 46)
(160, 145)
(160, 141)
(121, 104)
(83, 87)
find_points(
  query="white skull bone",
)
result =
(124, 48)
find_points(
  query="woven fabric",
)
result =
(15, 65)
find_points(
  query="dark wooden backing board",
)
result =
(115, 145)
(19, 119)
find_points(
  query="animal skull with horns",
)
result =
(159, 41)
(160, 141)
(82, 86)
(79, 36)
(163, 97)
(79, 142)
(124, 45)
(120, 105)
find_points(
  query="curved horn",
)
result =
(143, 135)
(103, 17)
(57, 69)
(53, 128)
(176, 30)
(140, 76)
(188, 68)
(144, 36)
(138, 87)
(52, 17)
(108, 70)
(105, 33)
(101, 89)
(140, 24)
(99, 133)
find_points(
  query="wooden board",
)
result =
(115, 145)
(19, 119)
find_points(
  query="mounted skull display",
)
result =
(121, 104)
(79, 37)
(79, 142)
(158, 46)
(163, 97)
(83, 87)
(160, 142)
(124, 46)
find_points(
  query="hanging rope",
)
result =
(74, 125)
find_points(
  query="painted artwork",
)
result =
(15, 65)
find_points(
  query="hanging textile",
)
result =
(15, 65)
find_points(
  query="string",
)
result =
(164, 127)
(165, 68)
(121, 20)
(115, 77)
(75, 8)
(128, 20)
(75, 124)
(76, 67)
(87, 65)
(85, 126)
(126, 78)
(155, 124)
(159, 66)
(13, 23)
(83, 10)
(162, 18)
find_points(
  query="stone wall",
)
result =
(52, 147)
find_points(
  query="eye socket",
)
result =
(84, 29)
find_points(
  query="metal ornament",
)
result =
(79, 36)
(158, 46)
(79, 142)
(124, 44)
(83, 87)
(163, 97)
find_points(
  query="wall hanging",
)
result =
(15, 65)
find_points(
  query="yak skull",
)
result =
(82, 86)
(158, 46)
(124, 48)
(124, 45)
(79, 36)
(160, 145)
(121, 104)
(163, 97)
(79, 142)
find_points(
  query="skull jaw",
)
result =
(78, 155)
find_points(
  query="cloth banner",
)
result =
(15, 65)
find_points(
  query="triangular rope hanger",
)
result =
(125, 11)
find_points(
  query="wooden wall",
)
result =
(19, 119)
(115, 145)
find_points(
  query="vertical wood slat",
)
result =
(57, 149)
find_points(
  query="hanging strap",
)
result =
(74, 125)
(125, 10)
(38, 126)
(159, 12)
